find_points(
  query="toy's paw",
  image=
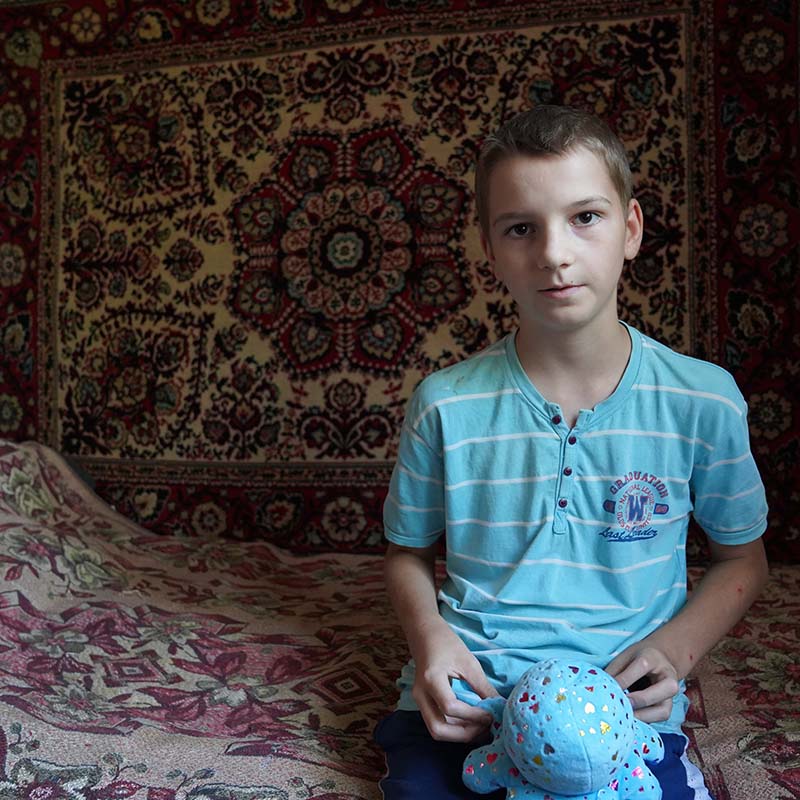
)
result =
(488, 768)
(648, 743)
(636, 782)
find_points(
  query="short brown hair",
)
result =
(548, 130)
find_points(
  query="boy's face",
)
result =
(558, 237)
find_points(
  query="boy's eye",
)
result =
(520, 229)
(587, 218)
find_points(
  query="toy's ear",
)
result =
(648, 742)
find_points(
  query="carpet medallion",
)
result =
(234, 234)
(252, 261)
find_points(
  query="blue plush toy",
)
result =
(566, 731)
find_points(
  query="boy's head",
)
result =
(551, 131)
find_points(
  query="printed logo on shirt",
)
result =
(636, 498)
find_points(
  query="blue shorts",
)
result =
(420, 767)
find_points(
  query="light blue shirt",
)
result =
(569, 542)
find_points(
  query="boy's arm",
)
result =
(735, 578)
(437, 652)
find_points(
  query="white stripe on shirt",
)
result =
(464, 632)
(656, 434)
(731, 496)
(656, 520)
(461, 398)
(450, 487)
(417, 476)
(418, 509)
(486, 523)
(562, 563)
(724, 461)
(503, 437)
(642, 387)
(414, 435)
(721, 529)
(662, 592)
(612, 478)
(581, 606)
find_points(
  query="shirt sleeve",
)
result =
(414, 511)
(729, 498)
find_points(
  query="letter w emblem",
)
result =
(636, 507)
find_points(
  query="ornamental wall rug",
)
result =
(245, 231)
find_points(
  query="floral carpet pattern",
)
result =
(235, 234)
(164, 668)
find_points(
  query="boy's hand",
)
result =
(440, 655)
(649, 668)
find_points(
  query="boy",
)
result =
(562, 464)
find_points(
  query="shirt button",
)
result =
(568, 470)
(562, 503)
(556, 420)
(572, 439)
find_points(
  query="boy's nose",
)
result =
(553, 250)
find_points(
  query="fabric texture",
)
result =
(235, 234)
(163, 668)
(569, 542)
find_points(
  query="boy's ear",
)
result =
(634, 228)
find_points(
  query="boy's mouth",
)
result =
(565, 289)
(558, 294)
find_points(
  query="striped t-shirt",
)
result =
(569, 542)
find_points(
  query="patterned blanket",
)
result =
(167, 668)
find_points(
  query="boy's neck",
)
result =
(576, 370)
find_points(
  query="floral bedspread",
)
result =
(164, 668)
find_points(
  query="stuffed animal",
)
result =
(566, 731)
